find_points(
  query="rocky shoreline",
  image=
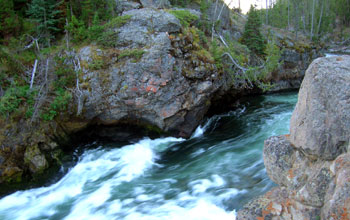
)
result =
(162, 86)
(312, 164)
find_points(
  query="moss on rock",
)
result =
(35, 159)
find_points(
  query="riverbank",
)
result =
(214, 172)
(161, 76)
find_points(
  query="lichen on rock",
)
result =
(35, 159)
(311, 166)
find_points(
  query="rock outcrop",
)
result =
(296, 57)
(155, 73)
(312, 164)
(151, 78)
(153, 87)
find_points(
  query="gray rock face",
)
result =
(337, 202)
(37, 161)
(155, 3)
(126, 5)
(320, 124)
(278, 158)
(153, 88)
(311, 166)
(290, 56)
(144, 26)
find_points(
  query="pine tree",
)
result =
(9, 21)
(45, 14)
(252, 36)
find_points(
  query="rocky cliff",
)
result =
(154, 78)
(312, 164)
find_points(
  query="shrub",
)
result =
(60, 103)
(108, 36)
(135, 53)
(77, 30)
(185, 17)
(96, 64)
(273, 55)
(108, 39)
(14, 97)
(96, 29)
(65, 74)
(252, 36)
(118, 22)
(216, 53)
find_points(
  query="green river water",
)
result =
(209, 176)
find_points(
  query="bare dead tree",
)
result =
(213, 21)
(312, 19)
(43, 88)
(320, 19)
(33, 74)
(77, 91)
(67, 35)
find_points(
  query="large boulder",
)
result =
(320, 124)
(145, 80)
(311, 166)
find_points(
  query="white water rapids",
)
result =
(204, 178)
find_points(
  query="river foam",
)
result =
(205, 177)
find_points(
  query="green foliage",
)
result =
(273, 56)
(77, 30)
(105, 35)
(46, 14)
(108, 36)
(118, 22)
(134, 53)
(65, 74)
(216, 53)
(96, 29)
(9, 62)
(180, 3)
(202, 37)
(14, 97)
(10, 23)
(252, 36)
(87, 9)
(238, 51)
(97, 64)
(185, 17)
(204, 24)
(65, 78)
(59, 104)
(108, 39)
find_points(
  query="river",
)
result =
(206, 177)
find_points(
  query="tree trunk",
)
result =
(33, 74)
(267, 13)
(288, 14)
(296, 16)
(312, 19)
(320, 20)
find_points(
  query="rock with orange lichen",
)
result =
(312, 165)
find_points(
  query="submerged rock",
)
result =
(311, 166)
